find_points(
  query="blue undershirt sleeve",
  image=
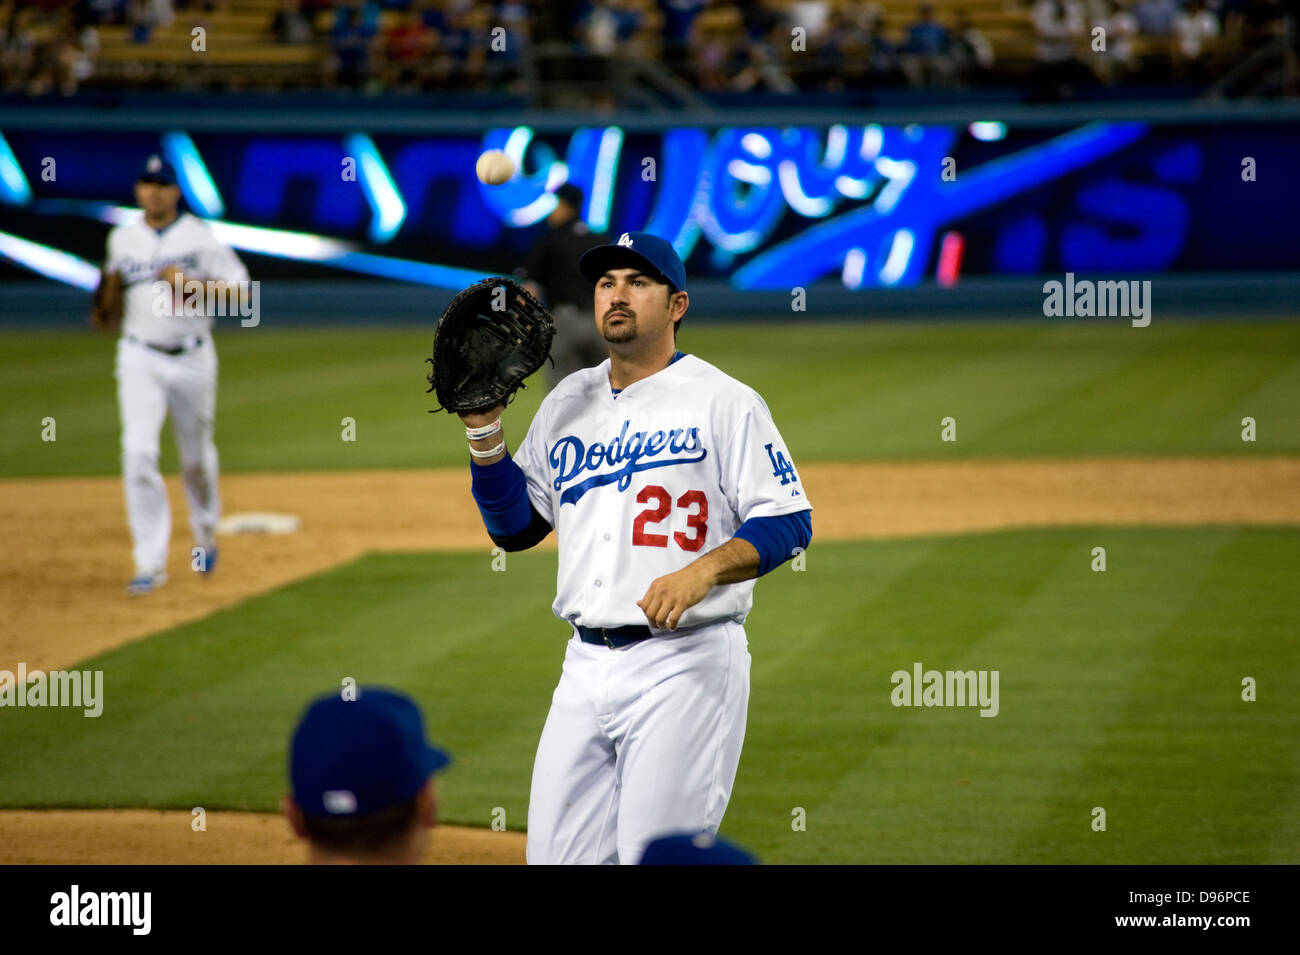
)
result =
(501, 492)
(775, 538)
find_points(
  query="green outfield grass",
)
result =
(837, 391)
(1119, 689)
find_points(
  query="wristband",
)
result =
(492, 452)
(478, 434)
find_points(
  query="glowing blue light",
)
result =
(758, 145)
(14, 188)
(988, 131)
(196, 182)
(855, 267)
(900, 253)
(305, 247)
(748, 172)
(800, 202)
(602, 184)
(52, 263)
(389, 211)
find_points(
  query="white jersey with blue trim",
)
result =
(639, 484)
(139, 252)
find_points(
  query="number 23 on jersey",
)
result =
(661, 502)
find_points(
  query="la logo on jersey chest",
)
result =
(578, 466)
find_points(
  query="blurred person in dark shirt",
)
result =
(291, 25)
(927, 52)
(551, 272)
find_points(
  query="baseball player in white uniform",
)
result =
(166, 362)
(670, 491)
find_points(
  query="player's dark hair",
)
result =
(374, 834)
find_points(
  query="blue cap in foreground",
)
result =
(159, 170)
(355, 757)
(635, 250)
(695, 849)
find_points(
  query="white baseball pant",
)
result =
(149, 385)
(640, 742)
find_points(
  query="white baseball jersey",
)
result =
(640, 484)
(139, 252)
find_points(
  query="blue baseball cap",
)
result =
(355, 757)
(698, 848)
(641, 250)
(159, 170)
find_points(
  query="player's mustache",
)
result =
(620, 311)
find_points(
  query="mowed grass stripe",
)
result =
(837, 391)
(200, 715)
(1210, 778)
(1098, 671)
(912, 611)
(1026, 605)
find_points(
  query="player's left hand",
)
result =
(673, 594)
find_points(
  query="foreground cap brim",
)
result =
(601, 259)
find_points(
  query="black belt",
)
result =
(613, 637)
(166, 349)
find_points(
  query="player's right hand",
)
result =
(479, 419)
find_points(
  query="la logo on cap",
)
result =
(625, 239)
(154, 164)
(339, 802)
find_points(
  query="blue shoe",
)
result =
(209, 563)
(145, 583)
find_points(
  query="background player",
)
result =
(166, 362)
(548, 273)
(362, 776)
(670, 491)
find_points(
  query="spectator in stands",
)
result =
(815, 18)
(714, 42)
(1062, 34)
(1059, 26)
(972, 52)
(18, 48)
(207, 6)
(1155, 17)
(608, 25)
(844, 56)
(468, 37)
(1252, 23)
(764, 19)
(75, 50)
(139, 20)
(1118, 61)
(1195, 30)
(101, 12)
(764, 71)
(504, 58)
(927, 53)
(351, 40)
(409, 46)
(290, 25)
(678, 15)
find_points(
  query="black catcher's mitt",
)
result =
(490, 338)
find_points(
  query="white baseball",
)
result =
(494, 167)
